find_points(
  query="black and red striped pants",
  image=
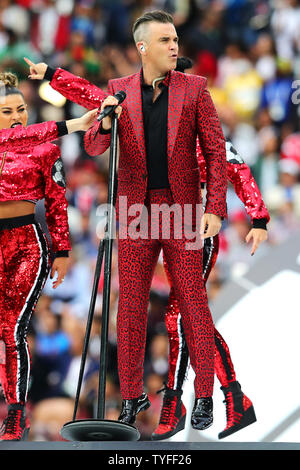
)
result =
(24, 267)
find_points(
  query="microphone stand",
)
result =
(98, 428)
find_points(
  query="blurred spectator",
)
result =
(15, 18)
(290, 147)
(207, 31)
(265, 169)
(50, 29)
(265, 56)
(285, 196)
(74, 293)
(243, 135)
(229, 62)
(285, 24)
(277, 92)
(215, 282)
(157, 361)
(236, 258)
(13, 53)
(244, 18)
(48, 417)
(52, 356)
(243, 87)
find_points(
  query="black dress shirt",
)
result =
(155, 117)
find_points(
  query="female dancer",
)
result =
(30, 169)
(239, 408)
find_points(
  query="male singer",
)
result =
(163, 113)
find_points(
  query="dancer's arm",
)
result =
(74, 88)
(55, 189)
(55, 199)
(82, 92)
(24, 138)
(245, 186)
(56, 210)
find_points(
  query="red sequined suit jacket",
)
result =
(31, 169)
(190, 112)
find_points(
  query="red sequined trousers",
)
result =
(178, 349)
(137, 260)
(24, 266)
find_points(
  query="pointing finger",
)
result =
(29, 62)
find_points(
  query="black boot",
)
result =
(239, 409)
(172, 417)
(130, 408)
(16, 426)
(202, 414)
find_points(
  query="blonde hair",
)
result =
(9, 85)
(9, 79)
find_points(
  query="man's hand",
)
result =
(258, 235)
(210, 225)
(110, 101)
(37, 71)
(59, 266)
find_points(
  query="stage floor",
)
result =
(149, 446)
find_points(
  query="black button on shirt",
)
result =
(155, 116)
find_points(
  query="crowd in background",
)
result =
(249, 50)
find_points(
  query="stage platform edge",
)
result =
(148, 446)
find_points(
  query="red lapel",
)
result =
(134, 106)
(177, 86)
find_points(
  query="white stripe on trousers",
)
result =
(20, 318)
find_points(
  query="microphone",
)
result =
(120, 95)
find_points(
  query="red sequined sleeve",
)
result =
(76, 89)
(55, 198)
(201, 162)
(245, 186)
(81, 91)
(25, 138)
